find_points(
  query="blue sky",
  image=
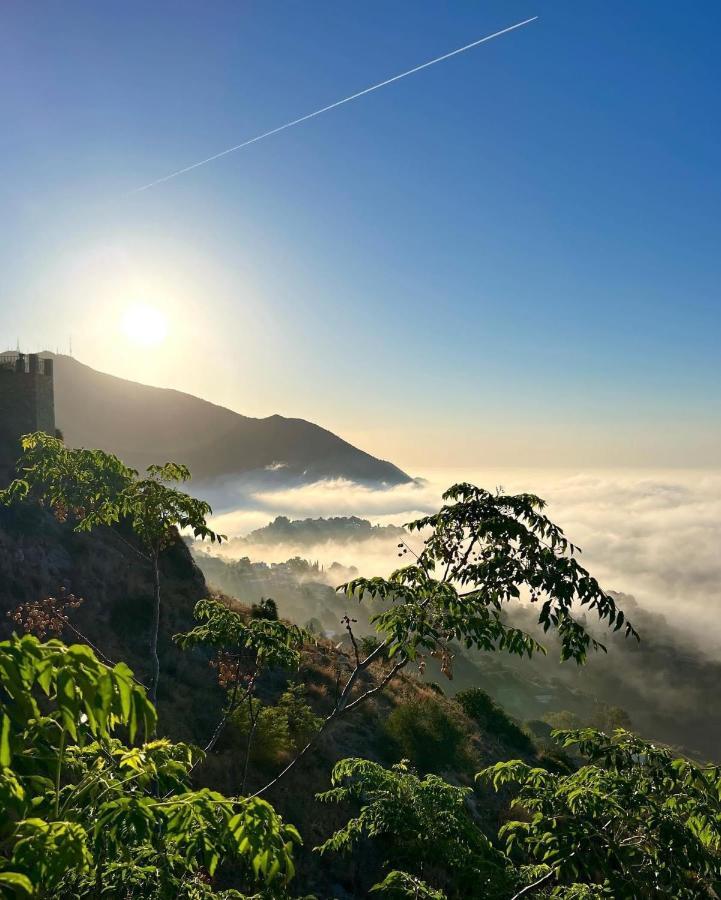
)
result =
(511, 257)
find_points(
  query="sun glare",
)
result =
(144, 325)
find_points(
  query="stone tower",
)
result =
(27, 404)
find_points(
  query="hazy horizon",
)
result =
(504, 265)
(651, 534)
(502, 443)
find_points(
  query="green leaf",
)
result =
(17, 883)
(5, 752)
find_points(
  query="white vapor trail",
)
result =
(318, 112)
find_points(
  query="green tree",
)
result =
(274, 731)
(632, 822)
(600, 716)
(244, 647)
(264, 728)
(302, 721)
(482, 550)
(493, 719)
(429, 733)
(422, 827)
(314, 626)
(266, 609)
(610, 718)
(562, 719)
(156, 512)
(87, 815)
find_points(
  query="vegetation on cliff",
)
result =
(104, 800)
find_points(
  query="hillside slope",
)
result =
(666, 683)
(40, 557)
(409, 719)
(144, 425)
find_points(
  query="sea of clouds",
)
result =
(653, 534)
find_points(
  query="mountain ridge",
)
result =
(144, 424)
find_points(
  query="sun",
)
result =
(144, 325)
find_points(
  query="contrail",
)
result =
(318, 112)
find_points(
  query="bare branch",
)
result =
(341, 706)
(529, 888)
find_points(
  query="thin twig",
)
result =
(536, 884)
(342, 705)
(106, 659)
(353, 641)
(379, 687)
(254, 719)
(130, 546)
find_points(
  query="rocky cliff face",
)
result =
(39, 557)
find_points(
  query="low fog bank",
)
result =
(654, 535)
(650, 537)
(665, 686)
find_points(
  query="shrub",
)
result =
(314, 626)
(631, 822)
(428, 734)
(486, 713)
(608, 718)
(266, 728)
(423, 829)
(302, 721)
(83, 810)
(368, 644)
(563, 719)
(266, 609)
(277, 731)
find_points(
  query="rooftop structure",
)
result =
(27, 404)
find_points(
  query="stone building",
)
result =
(27, 404)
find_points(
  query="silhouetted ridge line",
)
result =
(144, 425)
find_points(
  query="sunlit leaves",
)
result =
(45, 851)
(425, 614)
(85, 805)
(269, 641)
(15, 884)
(82, 485)
(199, 828)
(402, 886)
(482, 551)
(155, 510)
(80, 694)
(92, 487)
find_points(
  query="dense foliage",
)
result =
(483, 549)
(423, 827)
(89, 815)
(245, 647)
(429, 732)
(93, 488)
(478, 706)
(632, 822)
